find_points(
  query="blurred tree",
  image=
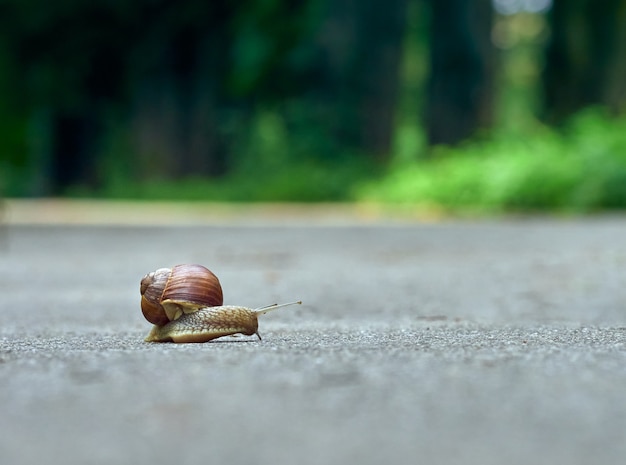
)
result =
(352, 80)
(462, 61)
(585, 57)
(179, 61)
(179, 78)
(374, 77)
(68, 58)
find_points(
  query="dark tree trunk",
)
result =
(584, 58)
(381, 33)
(73, 157)
(358, 76)
(461, 81)
(178, 95)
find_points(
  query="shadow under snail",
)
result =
(185, 304)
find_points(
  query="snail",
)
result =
(185, 304)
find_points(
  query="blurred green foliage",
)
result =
(273, 163)
(581, 168)
(313, 100)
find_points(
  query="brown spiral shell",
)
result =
(167, 293)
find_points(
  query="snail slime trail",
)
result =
(185, 304)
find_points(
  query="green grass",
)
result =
(302, 181)
(580, 169)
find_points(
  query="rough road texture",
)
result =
(465, 343)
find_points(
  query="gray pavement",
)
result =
(495, 342)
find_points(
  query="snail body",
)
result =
(185, 304)
(209, 323)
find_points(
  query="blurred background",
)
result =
(459, 105)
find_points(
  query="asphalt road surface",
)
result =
(497, 342)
